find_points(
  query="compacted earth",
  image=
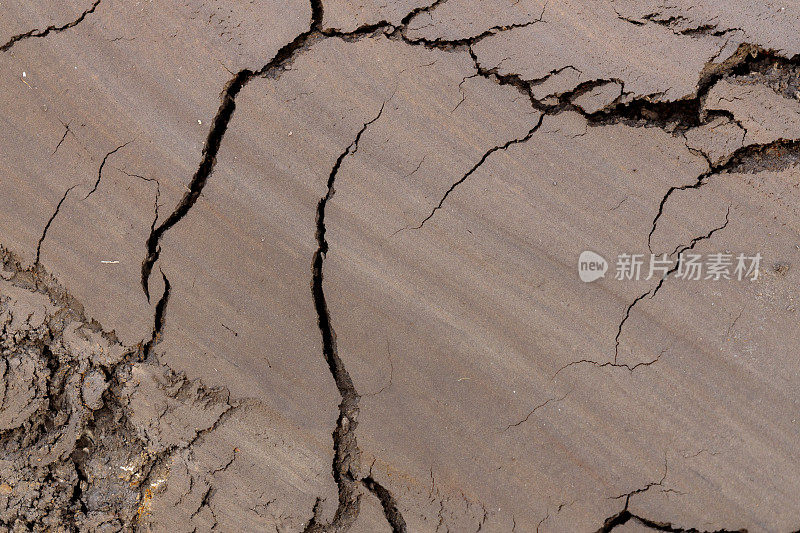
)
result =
(435, 266)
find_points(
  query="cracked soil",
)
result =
(313, 266)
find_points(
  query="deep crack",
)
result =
(346, 460)
(216, 133)
(346, 453)
(388, 503)
(159, 319)
(625, 516)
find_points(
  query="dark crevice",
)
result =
(625, 516)
(671, 21)
(375, 28)
(388, 503)
(54, 29)
(406, 20)
(315, 514)
(317, 14)
(556, 71)
(461, 43)
(159, 319)
(346, 460)
(613, 521)
(78, 498)
(696, 185)
(774, 156)
(680, 115)
(512, 80)
(629, 20)
(680, 249)
(219, 125)
(208, 160)
(622, 323)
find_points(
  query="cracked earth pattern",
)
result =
(311, 266)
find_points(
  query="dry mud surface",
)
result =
(290, 266)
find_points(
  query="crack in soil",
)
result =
(468, 41)
(745, 159)
(45, 32)
(475, 167)
(388, 503)
(346, 456)
(216, 133)
(543, 404)
(49, 223)
(346, 461)
(651, 293)
(67, 131)
(66, 194)
(159, 320)
(102, 164)
(625, 515)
